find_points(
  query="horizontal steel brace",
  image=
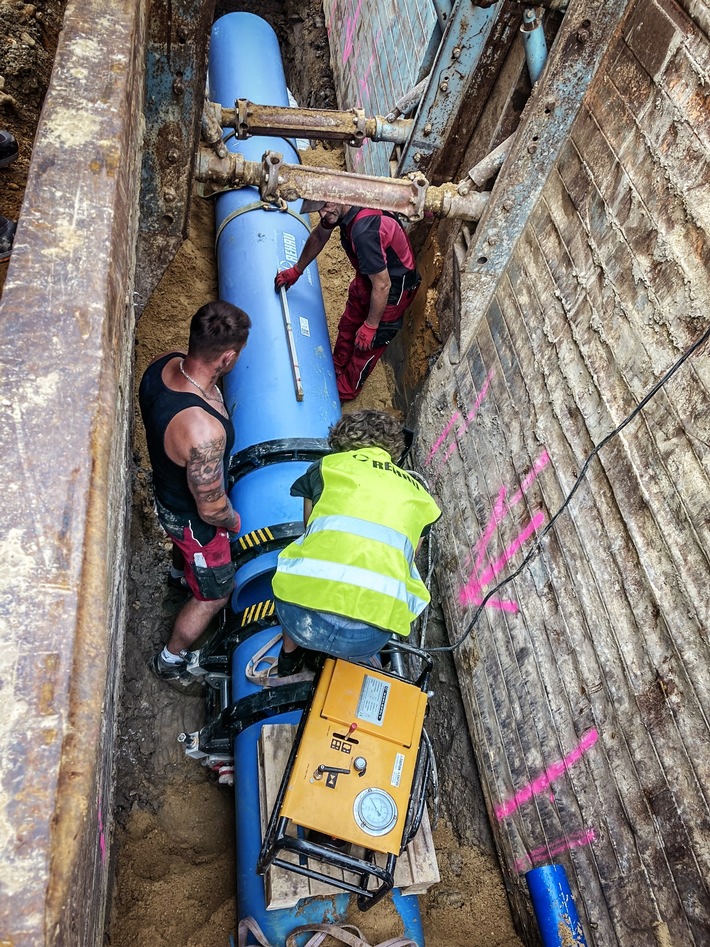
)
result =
(409, 197)
(350, 126)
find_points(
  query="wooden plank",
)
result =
(282, 888)
(421, 859)
(277, 740)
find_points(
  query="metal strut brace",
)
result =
(410, 197)
(350, 126)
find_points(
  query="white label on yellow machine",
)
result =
(397, 769)
(372, 701)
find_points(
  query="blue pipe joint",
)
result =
(554, 907)
(534, 43)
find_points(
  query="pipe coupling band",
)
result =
(279, 451)
(264, 539)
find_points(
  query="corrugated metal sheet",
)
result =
(377, 51)
(586, 678)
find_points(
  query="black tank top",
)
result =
(159, 405)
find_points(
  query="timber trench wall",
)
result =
(586, 678)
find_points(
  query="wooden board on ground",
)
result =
(416, 870)
(282, 888)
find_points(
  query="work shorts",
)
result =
(331, 634)
(209, 570)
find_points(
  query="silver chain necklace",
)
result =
(219, 399)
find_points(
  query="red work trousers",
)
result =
(353, 365)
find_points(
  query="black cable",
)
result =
(585, 466)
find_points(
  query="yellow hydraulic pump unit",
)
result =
(355, 784)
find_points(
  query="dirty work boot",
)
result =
(174, 674)
(8, 149)
(290, 662)
(7, 235)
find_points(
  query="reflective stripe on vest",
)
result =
(354, 575)
(368, 530)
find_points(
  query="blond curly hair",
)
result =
(367, 429)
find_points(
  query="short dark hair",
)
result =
(216, 327)
(368, 429)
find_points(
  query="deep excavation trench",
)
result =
(173, 835)
(174, 832)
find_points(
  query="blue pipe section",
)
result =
(534, 43)
(276, 925)
(554, 906)
(252, 244)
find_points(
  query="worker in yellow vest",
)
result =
(351, 581)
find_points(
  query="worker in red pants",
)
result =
(386, 281)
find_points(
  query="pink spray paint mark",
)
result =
(482, 575)
(363, 83)
(350, 26)
(442, 437)
(557, 847)
(468, 421)
(553, 772)
(522, 537)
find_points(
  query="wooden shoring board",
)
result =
(415, 872)
(282, 888)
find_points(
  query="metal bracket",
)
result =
(271, 163)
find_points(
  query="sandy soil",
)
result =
(173, 831)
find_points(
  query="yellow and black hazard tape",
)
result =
(257, 612)
(255, 538)
(265, 539)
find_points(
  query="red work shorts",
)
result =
(209, 570)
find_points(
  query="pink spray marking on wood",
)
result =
(554, 848)
(545, 779)
(472, 593)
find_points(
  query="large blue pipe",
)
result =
(252, 243)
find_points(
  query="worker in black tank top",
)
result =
(159, 405)
(190, 438)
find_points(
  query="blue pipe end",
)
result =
(535, 51)
(554, 906)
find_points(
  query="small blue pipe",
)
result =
(554, 907)
(534, 43)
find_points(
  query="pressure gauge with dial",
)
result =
(375, 811)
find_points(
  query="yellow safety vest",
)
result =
(356, 557)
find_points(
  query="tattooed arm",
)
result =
(200, 446)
